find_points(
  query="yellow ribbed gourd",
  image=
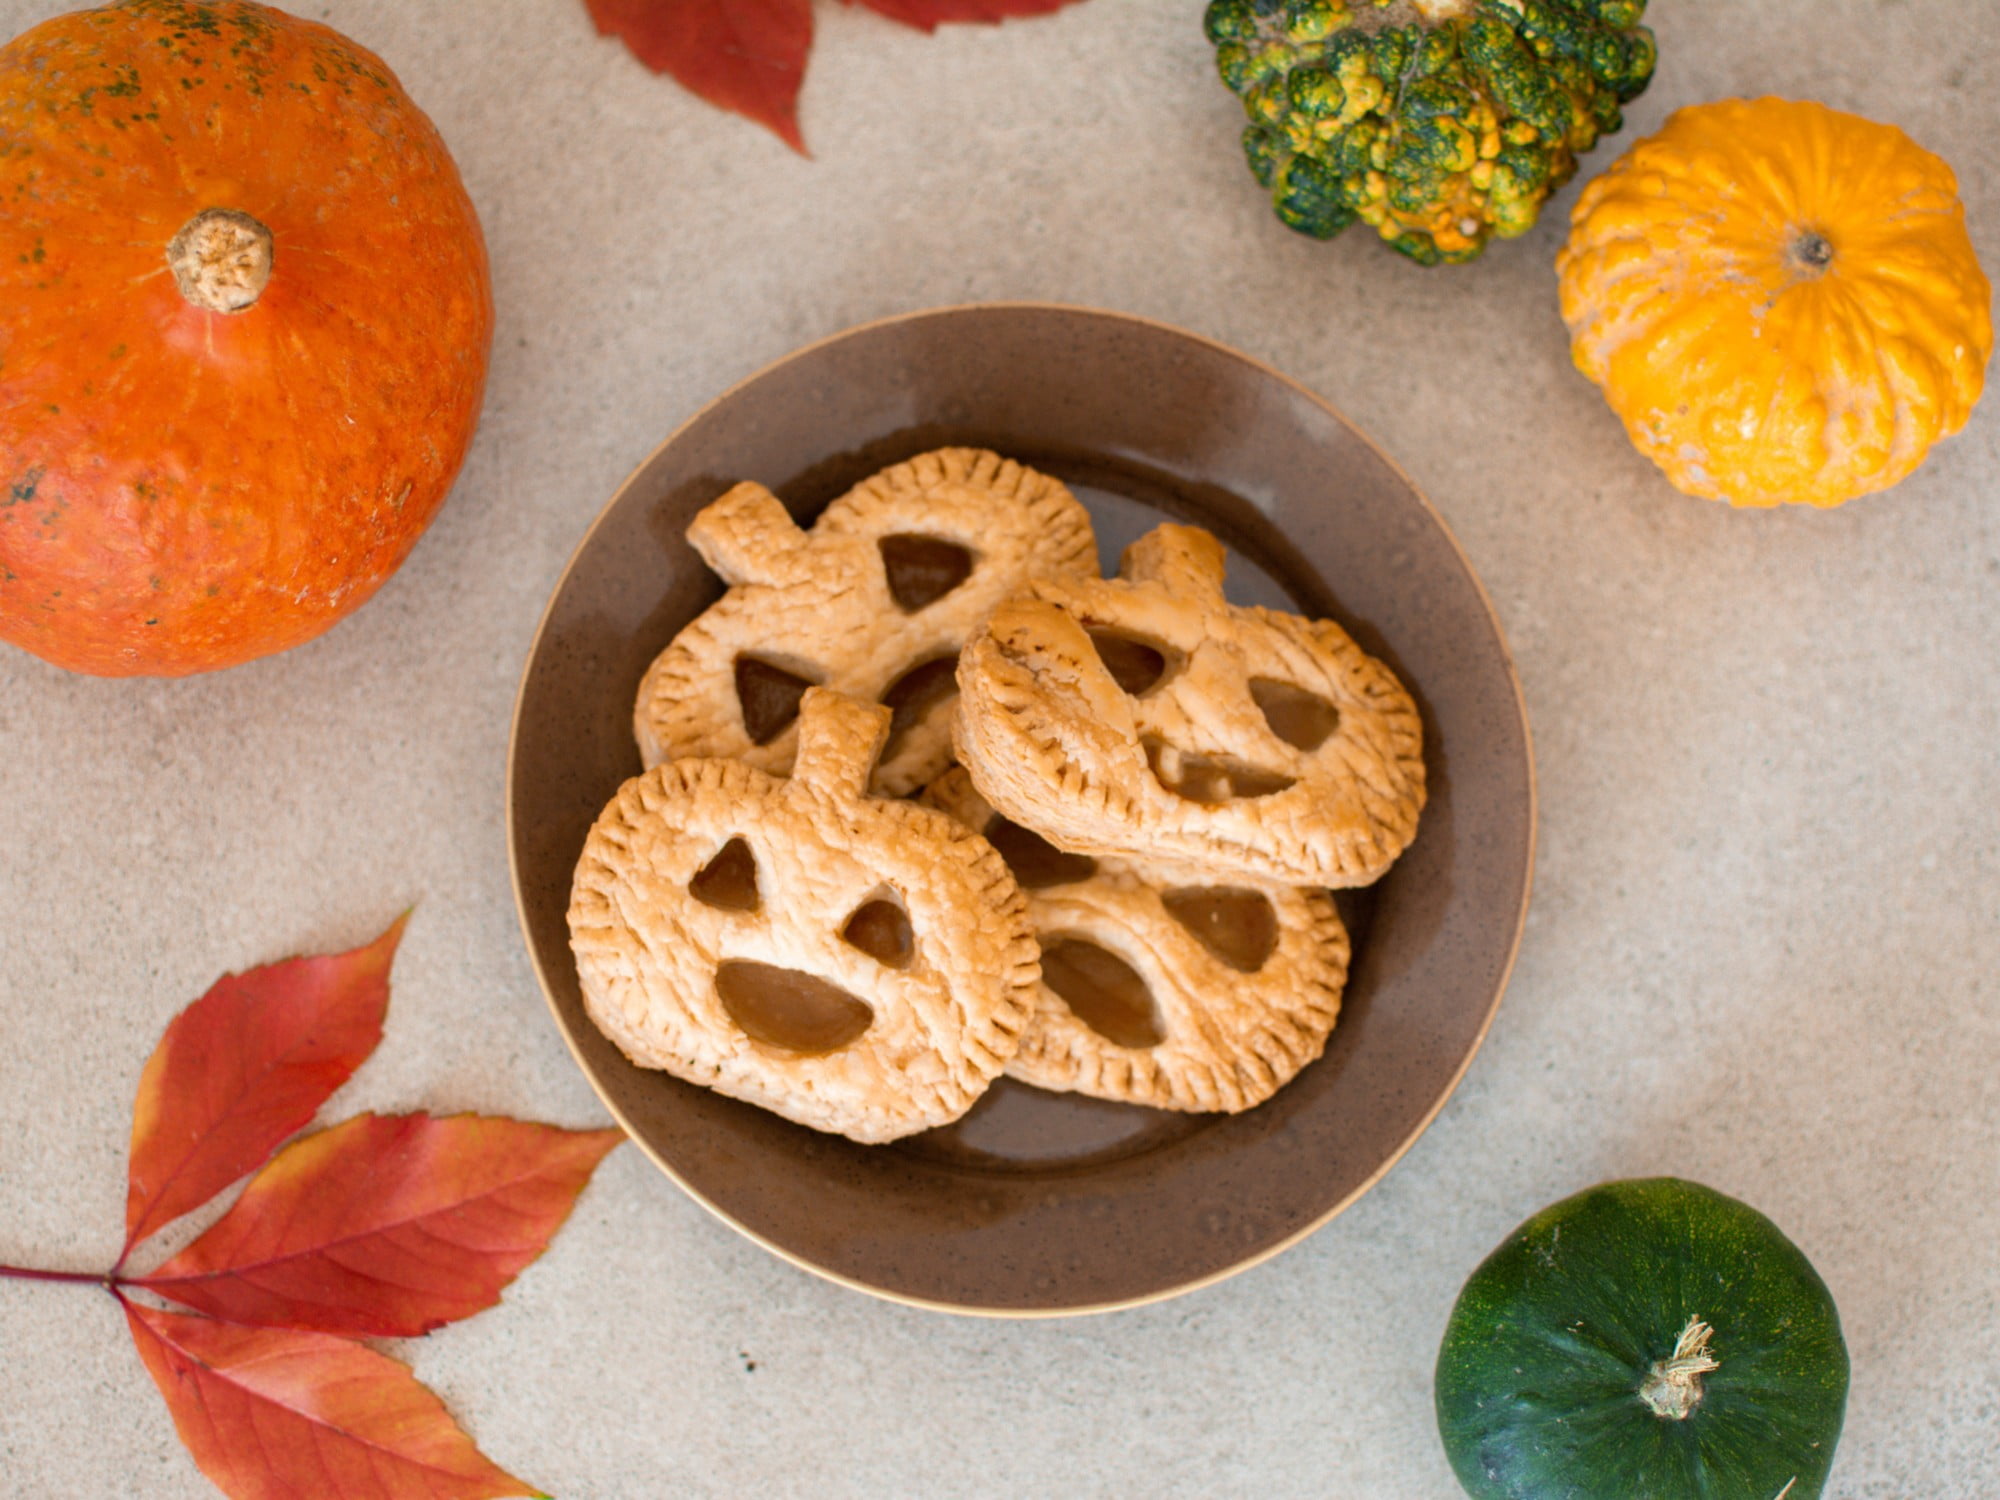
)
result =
(1779, 300)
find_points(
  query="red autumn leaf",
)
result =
(750, 55)
(244, 1067)
(930, 14)
(744, 55)
(386, 1225)
(271, 1414)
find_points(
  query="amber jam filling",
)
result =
(913, 695)
(922, 569)
(1035, 863)
(1238, 926)
(1135, 665)
(1209, 778)
(1297, 717)
(729, 880)
(1102, 991)
(881, 929)
(769, 697)
(787, 1009)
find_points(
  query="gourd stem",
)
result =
(221, 260)
(1672, 1388)
(1812, 251)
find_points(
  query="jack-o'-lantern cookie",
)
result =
(874, 601)
(1188, 996)
(855, 964)
(1146, 717)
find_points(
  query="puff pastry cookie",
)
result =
(1145, 717)
(1187, 997)
(854, 964)
(875, 601)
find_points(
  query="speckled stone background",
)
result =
(1767, 916)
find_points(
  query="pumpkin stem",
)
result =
(1673, 1388)
(221, 260)
(839, 738)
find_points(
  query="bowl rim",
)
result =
(1161, 1294)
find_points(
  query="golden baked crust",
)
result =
(1054, 742)
(649, 950)
(1231, 1034)
(819, 605)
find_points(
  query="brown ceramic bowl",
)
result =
(1041, 1203)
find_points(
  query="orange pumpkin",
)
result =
(246, 332)
(1780, 300)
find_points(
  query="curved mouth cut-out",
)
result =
(914, 694)
(789, 1009)
(1035, 863)
(1102, 991)
(1136, 665)
(922, 569)
(729, 880)
(1301, 719)
(1238, 926)
(881, 929)
(1210, 779)
(769, 696)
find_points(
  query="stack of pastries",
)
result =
(928, 801)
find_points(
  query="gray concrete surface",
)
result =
(1764, 942)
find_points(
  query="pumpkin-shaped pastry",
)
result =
(1779, 300)
(857, 965)
(1147, 718)
(875, 602)
(1181, 996)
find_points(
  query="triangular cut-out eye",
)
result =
(786, 1008)
(1296, 716)
(912, 695)
(728, 881)
(1236, 925)
(1209, 778)
(1036, 864)
(1102, 991)
(922, 569)
(881, 929)
(1135, 665)
(769, 696)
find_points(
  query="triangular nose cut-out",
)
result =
(1135, 665)
(769, 697)
(1102, 991)
(728, 881)
(1238, 926)
(1209, 778)
(922, 569)
(1034, 862)
(1299, 718)
(786, 1008)
(881, 929)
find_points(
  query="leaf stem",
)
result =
(105, 1279)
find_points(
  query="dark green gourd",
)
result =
(1643, 1340)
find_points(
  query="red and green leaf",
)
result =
(387, 1225)
(272, 1414)
(244, 1067)
(750, 55)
